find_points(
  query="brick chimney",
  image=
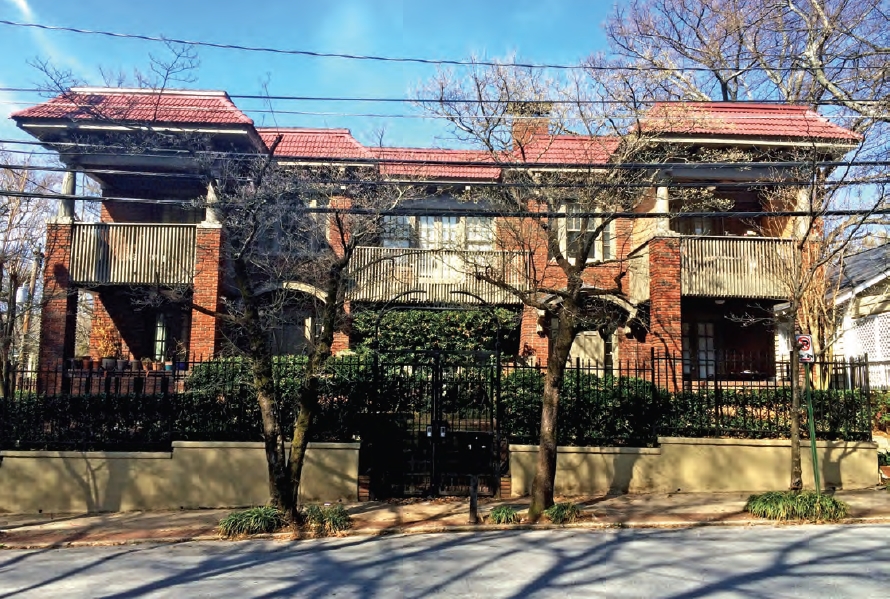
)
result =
(530, 119)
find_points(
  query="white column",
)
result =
(662, 206)
(66, 205)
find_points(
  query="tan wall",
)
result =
(696, 465)
(193, 475)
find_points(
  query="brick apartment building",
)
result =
(690, 275)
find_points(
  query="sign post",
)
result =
(807, 357)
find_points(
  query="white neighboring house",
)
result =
(863, 301)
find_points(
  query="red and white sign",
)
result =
(805, 348)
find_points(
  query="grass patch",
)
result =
(253, 521)
(797, 505)
(328, 519)
(503, 514)
(560, 513)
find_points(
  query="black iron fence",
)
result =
(624, 404)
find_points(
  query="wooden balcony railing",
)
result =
(379, 274)
(131, 254)
(744, 267)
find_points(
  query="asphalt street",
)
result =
(774, 562)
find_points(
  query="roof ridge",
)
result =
(215, 93)
(339, 130)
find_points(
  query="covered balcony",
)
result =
(132, 254)
(736, 267)
(380, 274)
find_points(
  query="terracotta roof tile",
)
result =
(568, 149)
(460, 170)
(314, 143)
(132, 105)
(742, 119)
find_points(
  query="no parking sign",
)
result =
(805, 348)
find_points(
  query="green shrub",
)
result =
(328, 519)
(560, 513)
(796, 505)
(503, 514)
(447, 330)
(253, 521)
(884, 458)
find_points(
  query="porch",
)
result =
(441, 276)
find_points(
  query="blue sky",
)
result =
(555, 31)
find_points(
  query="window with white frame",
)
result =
(578, 236)
(398, 231)
(480, 233)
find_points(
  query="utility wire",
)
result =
(394, 59)
(778, 102)
(414, 211)
(398, 161)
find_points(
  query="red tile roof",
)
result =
(742, 119)
(567, 149)
(314, 143)
(140, 105)
(464, 167)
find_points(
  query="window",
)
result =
(438, 232)
(699, 350)
(480, 233)
(160, 337)
(397, 232)
(577, 237)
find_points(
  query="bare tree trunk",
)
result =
(279, 484)
(796, 468)
(308, 399)
(545, 472)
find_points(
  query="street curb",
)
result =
(440, 529)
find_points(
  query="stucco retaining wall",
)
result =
(696, 465)
(192, 475)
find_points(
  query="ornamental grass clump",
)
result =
(503, 514)
(560, 513)
(253, 521)
(797, 505)
(328, 520)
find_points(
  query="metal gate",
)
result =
(433, 424)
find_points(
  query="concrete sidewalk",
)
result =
(409, 516)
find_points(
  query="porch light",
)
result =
(719, 302)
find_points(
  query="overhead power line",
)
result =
(779, 102)
(420, 164)
(393, 59)
(415, 211)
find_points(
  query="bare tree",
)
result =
(22, 221)
(559, 152)
(823, 53)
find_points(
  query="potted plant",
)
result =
(180, 356)
(109, 346)
(86, 362)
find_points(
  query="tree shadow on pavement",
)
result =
(675, 563)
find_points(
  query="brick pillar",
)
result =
(665, 334)
(204, 335)
(531, 342)
(59, 314)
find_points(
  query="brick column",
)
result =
(665, 319)
(532, 342)
(59, 314)
(204, 335)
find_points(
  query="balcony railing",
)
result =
(744, 267)
(379, 274)
(130, 254)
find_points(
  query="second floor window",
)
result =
(397, 232)
(438, 232)
(577, 235)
